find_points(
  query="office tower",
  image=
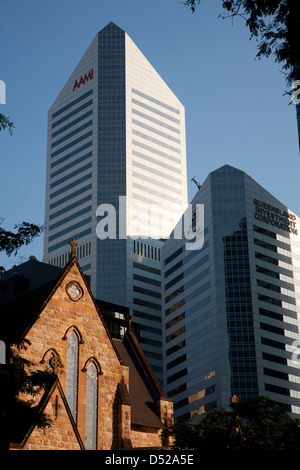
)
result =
(231, 309)
(116, 141)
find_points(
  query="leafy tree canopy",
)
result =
(5, 123)
(256, 424)
(17, 379)
(11, 242)
(276, 26)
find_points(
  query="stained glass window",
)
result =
(72, 373)
(91, 407)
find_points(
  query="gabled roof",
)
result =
(145, 392)
(56, 387)
(144, 389)
(17, 316)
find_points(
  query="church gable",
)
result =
(62, 435)
(70, 337)
(106, 395)
(71, 307)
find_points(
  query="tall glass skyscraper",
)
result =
(116, 150)
(231, 310)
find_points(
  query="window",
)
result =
(154, 110)
(64, 242)
(72, 372)
(91, 407)
(65, 108)
(71, 185)
(71, 154)
(72, 123)
(70, 229)
(71, 134)
(71, 144)
(70, 175)
(52, 361)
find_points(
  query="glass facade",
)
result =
(230, 309)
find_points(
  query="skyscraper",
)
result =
(231, 309)
(116, 150)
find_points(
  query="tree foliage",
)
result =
(19, 385)
(11, 242)
(256, 424)
(276, 26)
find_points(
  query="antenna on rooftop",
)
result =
(196, 183)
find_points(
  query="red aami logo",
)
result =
(83, 79)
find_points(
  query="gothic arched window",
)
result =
(72, 372)
(91, 407)
(52, 361)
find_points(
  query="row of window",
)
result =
(72, 123)
(156, 121)
(156, 172)
(72, 154)
(157, 162)
(70, 229)
(143, 177)
(156, 101)
(71, 185)
(195, 337)
(155, 111)
(190, 256)
(82, 251)
(71, 196)
(71, 144)
(147, 316)
(77, 236)
(70, 105)
(156, 131)
(71, 165)
(155, 141)
(71, 134)
(188, 271)
(144, 249)
(70, 175)
(200, 290)
(153, 192)
(70, 207)
(205, 392)
(84, 211)
(145, 291)
(156, 152)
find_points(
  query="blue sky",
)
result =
(235, 109)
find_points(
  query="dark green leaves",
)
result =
(5, 123)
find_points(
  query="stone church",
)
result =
(105, 395)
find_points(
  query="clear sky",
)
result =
(235, 109)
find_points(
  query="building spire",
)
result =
(73, 245)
